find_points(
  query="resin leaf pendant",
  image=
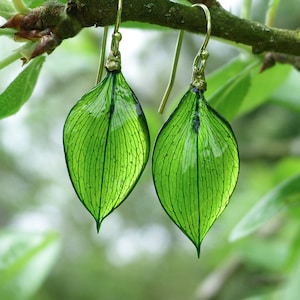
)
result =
(195, 165)
(106, 143)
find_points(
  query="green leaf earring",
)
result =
(106, 139)
(195, 158)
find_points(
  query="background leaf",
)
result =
(20, 90)
(228, 99)
(263, 85)
(288, 93)
(236, 87)
(7, 10)
(284, 196)
(228, 73)
(25, 261)
(228, 87)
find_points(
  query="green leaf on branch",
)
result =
(288, 94)
(228, 99)
(229, 72)
(195, 166)
(106, 142)
(263, 85)
(20, 90)
(25, 261)
(229, 86)
(283, 197)
(7, 10)
(236, 88)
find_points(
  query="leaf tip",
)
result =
(98, 224)
(198, 248)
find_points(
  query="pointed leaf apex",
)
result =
(98, 224)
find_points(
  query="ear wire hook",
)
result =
(198, 79)
(119, 14)
(113, 62)
(116, 37)
(102, 54)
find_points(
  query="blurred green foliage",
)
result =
(25, 261)
(20, 90)
(139, 253)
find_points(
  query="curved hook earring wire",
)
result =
(102, 54)
(116, 37)
(119, 14)
(208, 25)
(173, 73)
(198, 79)
(113, 62)
(202, 55)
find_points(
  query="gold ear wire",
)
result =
(119, 14)
(173, 73)
(102, 54)
(113, 62)
(198, 79)
(208, 25)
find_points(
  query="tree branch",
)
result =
(66, 21)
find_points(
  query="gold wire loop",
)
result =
(116, 38)
(198, 79)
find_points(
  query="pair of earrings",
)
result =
(195, 159)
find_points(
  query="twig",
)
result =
(56, 22)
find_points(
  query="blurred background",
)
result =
(140, 253)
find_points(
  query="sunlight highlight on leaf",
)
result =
(195, 166)
(106, 141)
